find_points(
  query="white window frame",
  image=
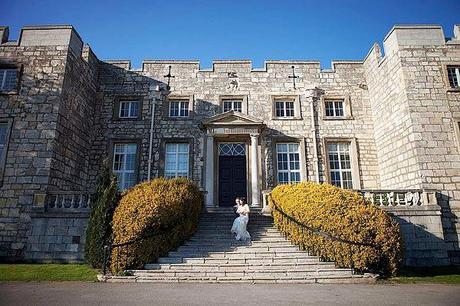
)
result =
(3, 78)
(457, 75)
(232, 108)
(284, 108)
(335, 108)
(289, 171)
(183, 112)
(130, 109)
(340, 152)
(175, 153)
(121, 173)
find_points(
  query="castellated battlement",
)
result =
(44, 35)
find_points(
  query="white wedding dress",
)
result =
(241, 222)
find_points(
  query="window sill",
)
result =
(453, 89)
(179, 118)
(286, 118)
(127, 119)
(337, 118)
(9, 93)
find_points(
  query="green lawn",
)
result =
(47, 272)
(439, 275)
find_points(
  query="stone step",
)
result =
(266, 230)
(237, 254)
(229, 238)
(265, 260)
(354, 279)
(233, 241)
(254, 274)
(239, 249)
(239, 266)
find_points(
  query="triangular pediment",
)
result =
(232, 118)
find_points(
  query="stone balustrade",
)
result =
(400, 198)
(68, 201)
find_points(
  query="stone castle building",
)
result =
(387, 125)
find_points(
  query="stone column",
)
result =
(255, 194)
(209, 170)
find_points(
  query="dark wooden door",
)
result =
(232, 179)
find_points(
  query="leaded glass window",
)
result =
(124, 164)
(340, 164)
(288, 162)
(177, 160)
(232, 149)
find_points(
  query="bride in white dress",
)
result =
(241, 222)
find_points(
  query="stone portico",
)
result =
(233, 127)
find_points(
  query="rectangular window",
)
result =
(453, 73)
(4, 131)
(229, 105)
(340, 164)
(8, 79)
(129, 109)
(178, 108)
(284, 109)
(177, 160)
(288, 162)
(334, 108)
(124, 164)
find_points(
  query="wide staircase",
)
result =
(213, 255)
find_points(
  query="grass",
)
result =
(438, 275)
(47, 272)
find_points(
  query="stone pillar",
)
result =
(255, 194)
(209, 170)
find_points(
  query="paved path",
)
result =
(73, 293)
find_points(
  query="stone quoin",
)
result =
(387, 126)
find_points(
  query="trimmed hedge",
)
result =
(161, 214)
(343, 214)
(99, 230)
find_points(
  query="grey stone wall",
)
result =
(417, 144)
(64, 123)
(51, 116)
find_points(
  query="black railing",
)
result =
(324, 235)
(122, 248)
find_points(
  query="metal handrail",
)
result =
(325, 235)
(109, 247)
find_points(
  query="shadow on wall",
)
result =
(449, 220)
(421, 248)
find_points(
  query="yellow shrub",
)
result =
(342, 214)
(167, 209)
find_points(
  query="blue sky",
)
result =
(206, 30)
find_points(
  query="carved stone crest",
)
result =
(232, 81)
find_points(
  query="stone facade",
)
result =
(399, 122)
